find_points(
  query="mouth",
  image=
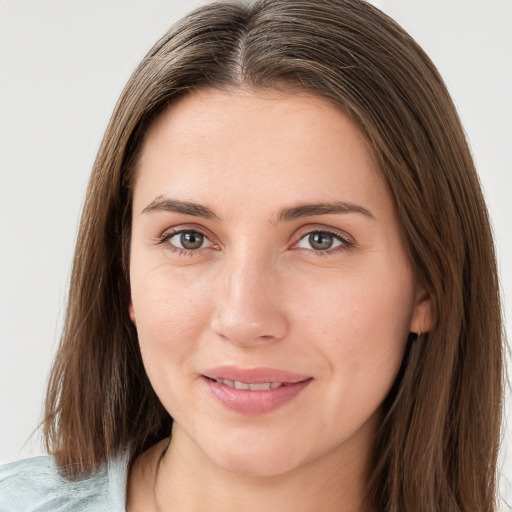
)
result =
(256, 390)
(250, 386)
(240, 378)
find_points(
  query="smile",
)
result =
(250, 386)
(254, 391)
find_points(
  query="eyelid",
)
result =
(204, 239)
(172, 230)
(346, 239)
(175, 230)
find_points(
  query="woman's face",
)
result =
(270, 286)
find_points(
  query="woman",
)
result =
(284, 292)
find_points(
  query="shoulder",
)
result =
(35, 485)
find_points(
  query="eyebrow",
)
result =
(309, 210)
(173, 205)
(286, 214)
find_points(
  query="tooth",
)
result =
(258, 387)
(261, 386)
(241, 385)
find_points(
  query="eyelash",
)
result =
(178, 250)
(345, 244)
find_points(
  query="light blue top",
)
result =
(34, 485)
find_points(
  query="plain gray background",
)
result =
(63, 64)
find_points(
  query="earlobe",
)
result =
(132, 313)
(422, 320)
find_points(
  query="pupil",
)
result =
(320, 241)
(191, 240)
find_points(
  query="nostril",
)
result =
(246, 332)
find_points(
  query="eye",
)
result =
(322, 241)
(187, 240)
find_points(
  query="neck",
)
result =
(179, 477)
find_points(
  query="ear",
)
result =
(422, 319)
(132, 313)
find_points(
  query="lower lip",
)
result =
(254, 402)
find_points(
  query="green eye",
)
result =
(321, 241)
(189, 240)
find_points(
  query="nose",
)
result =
(248, 306)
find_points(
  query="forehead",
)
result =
(242, 112)
(250, 145)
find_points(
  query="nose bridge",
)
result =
(247, 306)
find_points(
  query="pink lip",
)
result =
(254, 375)
(254, 401)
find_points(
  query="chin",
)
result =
(257, 460)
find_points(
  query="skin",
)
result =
(257, 293)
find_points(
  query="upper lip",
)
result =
(256, 375)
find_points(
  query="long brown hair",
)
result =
(438, 443)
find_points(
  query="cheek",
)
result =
(360, 325)
(358, 306)
(171, 312)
